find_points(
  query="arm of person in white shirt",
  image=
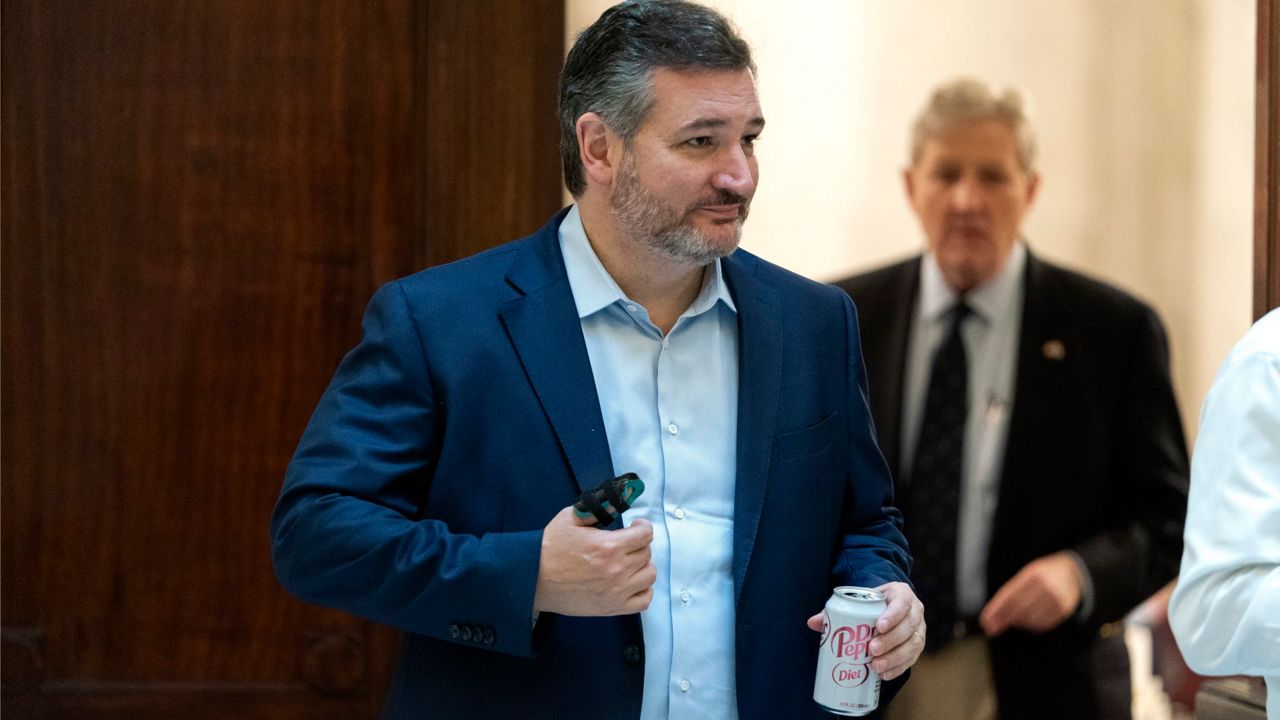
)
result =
(1225, 610)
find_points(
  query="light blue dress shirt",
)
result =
(991, 343)
(670, 411)
(1225, 609)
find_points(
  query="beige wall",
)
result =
(1144, 110)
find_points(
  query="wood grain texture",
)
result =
(199, 197)
(493, 139)
(1266, 196)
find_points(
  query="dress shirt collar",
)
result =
(990, 300)
(594, 288)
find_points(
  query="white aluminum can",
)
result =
(845, 683)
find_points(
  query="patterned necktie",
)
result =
(932, 502)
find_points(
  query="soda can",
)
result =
(845, 683)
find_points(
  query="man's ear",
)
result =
(909, 185)
(594, 142)
(1033, 187)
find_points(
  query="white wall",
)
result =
(1144, 110)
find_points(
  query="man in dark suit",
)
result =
(1027, 416)
(432, 489)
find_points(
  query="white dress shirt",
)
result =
(670, 408)
(991, 349)
(1225, 610)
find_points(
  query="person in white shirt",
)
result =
(1225, 610)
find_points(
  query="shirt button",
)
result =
(631, 654)
(679, 513)
(684, 597)
(673, 429)
(684, 686)
(631, 308)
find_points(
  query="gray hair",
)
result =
(966, 101)
(609, 68)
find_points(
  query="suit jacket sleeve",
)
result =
(347, 531)
(1137, 554)
(874, 550)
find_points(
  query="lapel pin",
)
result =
(1054, 350)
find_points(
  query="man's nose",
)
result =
(736, 173)
(966, 195)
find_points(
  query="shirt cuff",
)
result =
(1086, 587)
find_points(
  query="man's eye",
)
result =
(700, 141)
(947, 176)
(993, 177)
(749, 140)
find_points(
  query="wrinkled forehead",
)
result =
(706, 99)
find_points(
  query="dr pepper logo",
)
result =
(852, 642)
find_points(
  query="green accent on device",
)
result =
(607, 502)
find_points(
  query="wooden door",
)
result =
(1266, 181)
(199, 196)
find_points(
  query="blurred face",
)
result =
(684, 183)
(970, 193)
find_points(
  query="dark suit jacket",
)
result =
(1096, 461)
(467, 417)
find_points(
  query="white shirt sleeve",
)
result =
(1225, 610)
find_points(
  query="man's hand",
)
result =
(1039, 598)
(900, 631)
(590, 572)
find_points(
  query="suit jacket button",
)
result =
(454, 632)
(489, 636)
(466, 633)
(631, 654)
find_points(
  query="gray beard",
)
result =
(661, 228)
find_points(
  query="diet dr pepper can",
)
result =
(845, 683)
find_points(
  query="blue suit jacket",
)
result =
(467, 417)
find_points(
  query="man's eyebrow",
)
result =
(712, 123)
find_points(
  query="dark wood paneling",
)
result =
(199, 197)
(489, 111)
(1266, 196)
(180, 701)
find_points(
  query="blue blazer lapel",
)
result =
(543, 326)
(759, 384)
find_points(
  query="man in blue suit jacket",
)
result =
(432, 489)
